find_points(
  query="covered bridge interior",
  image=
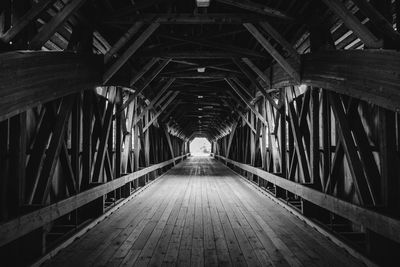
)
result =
(100, 99)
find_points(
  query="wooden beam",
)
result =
(254, 81)
(136, 77)
(154, 100)
(378, 20)
(161, 111)
(258, 8)
(354, 24)
(24, 224)
(314, 138)
(103, 138)
(39, 196)
(259, 72)
(232, 133)
(16, 176)
(215, 45)
(129, 52)
(363, 188)
(187, 54)
(250, 106)
(128, 136)
(240, 114)
(145, 83)
(369, 75)
(171, 149)
(58, 20)
(87, 121)
(286, 65)
(32, 78)
(189, 18)
(25, 20)
(122, 41)
(281, 40)
(379, 223)
(76, 140)
(302, 156)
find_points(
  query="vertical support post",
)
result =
(118, 139)
(17, 162)
(87, 139)
(76, 140)
(388, 160)
(136, 142)
(314, 149)
(146, 144)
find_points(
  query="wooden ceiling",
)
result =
(209, 55)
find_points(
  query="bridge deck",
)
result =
(202, 214)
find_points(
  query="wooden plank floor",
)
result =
(201, 214)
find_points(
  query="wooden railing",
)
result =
(379, 223)
(24, 224)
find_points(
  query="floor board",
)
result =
(202, 214)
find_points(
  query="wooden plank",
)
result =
(169, 142)
(16, 162)
(363, 188)
(237, 226)
(38, 149)
(174, 95)
(227, 48)
(232, 133)
(189, 18)
(210, 249)
(243, 98)
(70, 179)
(168, 245)
(118, 134)
(103, 138)
(25, 20)
(56, 21)
(288, 67)
(259, 72)
(146, 83)
(87, 118)
(283, 138)
(46, 76)
(378, 19)
(356, 74)
(128, 35)
(354, 24)
(379, 223)
(302, 156)
(154, 100)
(128, 137)
(148, 239)
(281, 40)
(15, 228)
(129, 52)
(314, 142)
(76, 140)
(258, 8)
(254, 81)
(39, 196)
(145, 69)
(171, 255)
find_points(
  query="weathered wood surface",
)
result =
(369, 75)
(200, 214)
(384, 225)
(16, 228)
(28, 79)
